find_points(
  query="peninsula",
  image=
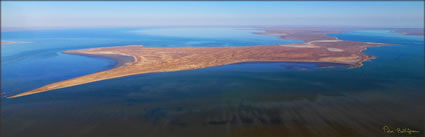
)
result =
(318, 47)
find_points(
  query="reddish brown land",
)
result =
(411, 31)
(5, 43)
(318, 48)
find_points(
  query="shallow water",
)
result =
(246, 99)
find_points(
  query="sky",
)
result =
(44, 14)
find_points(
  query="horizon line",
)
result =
(10, 29)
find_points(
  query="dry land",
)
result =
(411, 31)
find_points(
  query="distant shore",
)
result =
(410, 31)
(12, 42)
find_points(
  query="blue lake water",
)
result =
(245, 99)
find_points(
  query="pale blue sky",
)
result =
(133, 14)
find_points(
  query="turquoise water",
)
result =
(246, 99)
